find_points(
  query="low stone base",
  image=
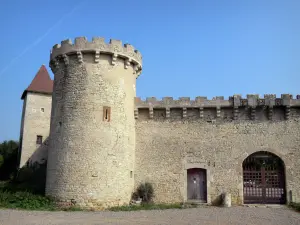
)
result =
(90, 204)
(226, 200)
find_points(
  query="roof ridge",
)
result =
(41, 83)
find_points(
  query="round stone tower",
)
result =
(92, 131)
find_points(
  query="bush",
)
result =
(25, 200)
(295, 206)
(25, 174)
(27, 189)
(30, 178)
(145, 192)
(14, 196)
(9, 152)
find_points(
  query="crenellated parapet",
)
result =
(98, 46)
(219, 101)
(93, 92)
(182, 102)
(235, 104)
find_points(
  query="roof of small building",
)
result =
(41, 83)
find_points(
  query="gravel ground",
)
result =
(205, 215)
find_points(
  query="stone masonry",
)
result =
(217, 135)
(104, 141)
(36, 121)
(92, 131)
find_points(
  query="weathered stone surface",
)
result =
(96, 162)
(90, 159)
(165, 147)
(97, 46)
(35, 121)
(226, 199)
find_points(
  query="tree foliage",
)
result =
(1, 160)
(8, 159)
(32, 178)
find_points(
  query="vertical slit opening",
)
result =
(106, 114)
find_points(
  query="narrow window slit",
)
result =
(106, 113)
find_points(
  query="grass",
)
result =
(25, 200)
(29, 201)
(13, 196)
(149, 206)
(27, 191)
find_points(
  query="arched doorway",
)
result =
(197, 184)
(264, 179)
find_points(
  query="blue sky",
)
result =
(190, 47)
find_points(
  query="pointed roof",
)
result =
(41, 83)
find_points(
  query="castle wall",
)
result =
(91, 157)
(34, 122)
(169, 141)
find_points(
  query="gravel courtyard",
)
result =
(205, 215)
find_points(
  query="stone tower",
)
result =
(35, 120)
(92, 132)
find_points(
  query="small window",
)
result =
(106, 113)
(42, 109)
(39, 139)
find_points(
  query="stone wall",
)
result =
(35, 121)
(91, 153)
(171, 140)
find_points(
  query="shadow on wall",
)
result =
(217, 201)
(40, 154)
(32, 176)
(224, 199)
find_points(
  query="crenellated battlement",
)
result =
(103, 141)
(93, 92)
(215, 107)
(98, 46)
(219, 101)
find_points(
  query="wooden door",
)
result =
(196, 184)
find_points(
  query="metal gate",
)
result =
(264, 180)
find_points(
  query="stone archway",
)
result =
(264, 179)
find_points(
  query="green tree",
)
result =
(8, 148)
(1, 160)
(9, 153)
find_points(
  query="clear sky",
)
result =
(190, 47)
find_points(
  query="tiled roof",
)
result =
(41, 83)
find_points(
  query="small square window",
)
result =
(39, 139)
(42, 110)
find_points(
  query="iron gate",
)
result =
(264, 180)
